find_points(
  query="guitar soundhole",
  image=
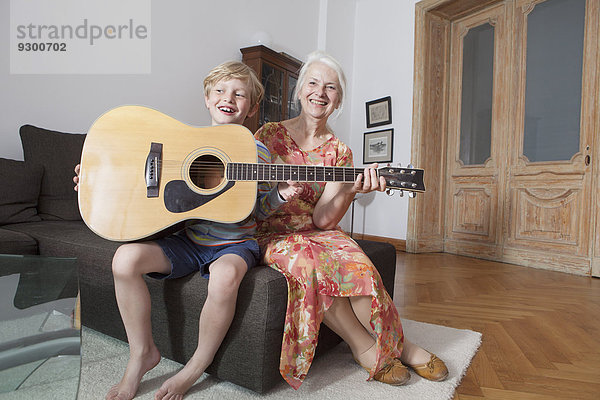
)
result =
(207, 171)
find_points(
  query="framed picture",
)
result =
(379, 112)
(378, 146)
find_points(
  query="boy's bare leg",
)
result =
(226, 273)
(130, 263)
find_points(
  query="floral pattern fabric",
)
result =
(319, 265)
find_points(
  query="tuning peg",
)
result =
(389, 192)
(409, 166)
(401, 193)
(412, 195)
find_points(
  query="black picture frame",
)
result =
(379, 112)
(378, 146)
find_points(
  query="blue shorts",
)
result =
(187, 257)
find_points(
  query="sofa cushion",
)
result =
(12, 242)
(68, 239)
(58, 153)
(20, 183)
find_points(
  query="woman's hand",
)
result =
(337, 196)
(368, 181)
(76, 177)
(289, 189)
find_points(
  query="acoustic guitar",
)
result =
(143, 172)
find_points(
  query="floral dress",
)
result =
(317, 264)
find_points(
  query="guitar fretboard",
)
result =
(284, 172)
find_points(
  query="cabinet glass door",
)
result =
(270, 107)
(293, 106)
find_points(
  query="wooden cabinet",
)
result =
(278, 73)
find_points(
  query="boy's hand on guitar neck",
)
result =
(76, 177)
(289, 189)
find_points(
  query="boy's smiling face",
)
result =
(228, 102)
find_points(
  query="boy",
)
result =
(224, 252)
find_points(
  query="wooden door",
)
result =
(476, 134)
(550, 178)
(522, 132)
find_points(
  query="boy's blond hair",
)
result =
(235, 70)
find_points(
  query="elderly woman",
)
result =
(329, 277)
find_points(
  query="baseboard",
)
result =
(399, 244)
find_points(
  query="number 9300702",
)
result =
(42, 46)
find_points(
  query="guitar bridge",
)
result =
(152, 170)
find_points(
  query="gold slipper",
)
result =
(393, 373)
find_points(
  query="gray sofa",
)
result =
(39, 215)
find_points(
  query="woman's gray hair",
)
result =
(322, 57)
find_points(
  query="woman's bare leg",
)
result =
(341, 319)
(361, 305)
(411, 353)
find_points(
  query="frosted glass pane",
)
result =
(555, 31)
(477, 89)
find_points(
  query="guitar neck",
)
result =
(284, 172)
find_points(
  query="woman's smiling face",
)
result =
(319, 95)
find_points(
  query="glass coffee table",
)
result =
(40, 332)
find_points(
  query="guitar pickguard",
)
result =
(180, 198)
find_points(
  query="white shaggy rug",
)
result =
(333, 376)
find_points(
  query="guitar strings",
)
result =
(200, 170)
(219, 169)
(216, 167)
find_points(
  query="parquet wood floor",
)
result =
(541, 329)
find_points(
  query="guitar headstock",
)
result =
(403, 178)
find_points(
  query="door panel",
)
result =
(547, 216)
(473, 207)
(549, 180)
(475, 142)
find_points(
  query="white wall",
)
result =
(189, 37)
(373, 39)
(383, 53)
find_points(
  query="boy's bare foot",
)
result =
(176, 386)
(136, 368)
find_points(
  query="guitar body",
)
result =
(137, 173)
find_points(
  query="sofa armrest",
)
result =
(383, 256)
(13, 242)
